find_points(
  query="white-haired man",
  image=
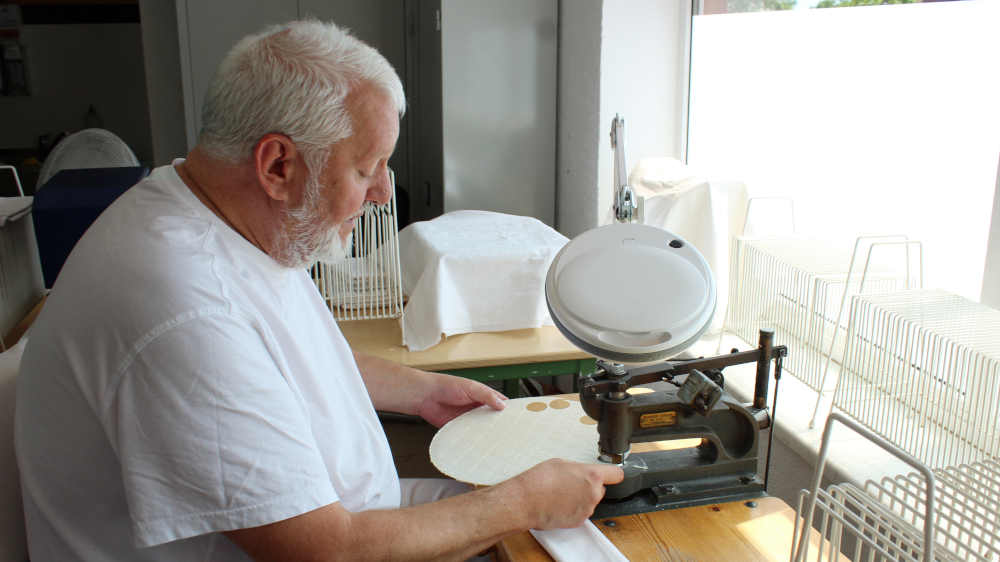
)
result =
(186, 396)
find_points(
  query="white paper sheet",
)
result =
(486, 447)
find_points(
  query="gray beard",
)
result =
(331, 249)
(302, 251)
(302, 240)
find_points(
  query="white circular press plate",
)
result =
(662, 289)
(631, 293)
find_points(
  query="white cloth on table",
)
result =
(585, 542)
(474, 271)
(707, 212)
(179, 383)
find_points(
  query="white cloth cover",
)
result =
(178, 383)
(585, 542)
(707, 212)
(474, 271)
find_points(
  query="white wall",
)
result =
(498, 71)
(643, 79)
(578, 115)
(160, 51)
(614, 56)
(991, 276)
(636, 67)
(184, 42)
(376, 22)
(208, 30)
(71, 66)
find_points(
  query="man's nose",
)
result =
(381, 191)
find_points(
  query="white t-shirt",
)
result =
(179, 382)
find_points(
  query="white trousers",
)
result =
(415, 491)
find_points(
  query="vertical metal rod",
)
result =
(774, 421)
(763, 368)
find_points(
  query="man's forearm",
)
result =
(392, 387)
(451, 529)
(553, 494)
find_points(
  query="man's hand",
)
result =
(553, 494)
(448, 397)
(435, 397)
(562, 494)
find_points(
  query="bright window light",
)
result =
(881, 119)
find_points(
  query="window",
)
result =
(879, 119)
(709, 7)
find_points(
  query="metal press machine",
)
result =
(637, 296)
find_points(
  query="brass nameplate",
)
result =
(658, 419)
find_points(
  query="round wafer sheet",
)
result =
(486, 447)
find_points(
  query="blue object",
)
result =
(66, 206)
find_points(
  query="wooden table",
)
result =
(483, 356)
(727, 531)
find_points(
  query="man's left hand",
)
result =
(451, 396)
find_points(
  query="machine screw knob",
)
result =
(613, 369)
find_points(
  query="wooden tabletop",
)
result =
(383, 338)
(727, 531)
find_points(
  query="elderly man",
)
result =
(185, 395)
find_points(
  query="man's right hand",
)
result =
(562, 494)
(553, 494)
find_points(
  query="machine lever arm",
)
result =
(626, 206)
(762, 355)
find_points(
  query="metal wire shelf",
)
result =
(799, 287)
(946, 514)
(922, 369)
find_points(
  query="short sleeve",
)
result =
(211, 435)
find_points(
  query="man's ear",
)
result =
(278, 165)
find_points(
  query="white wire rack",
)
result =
(967, 507)
(368, 284)
(947, 514)
(17, 180)
(854, 526)
(798, 287)
(922, 369)
(20, 271)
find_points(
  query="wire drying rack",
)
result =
(922, 369)
(967, 506)
(947, 514)
(799, 286)
(368, 283)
